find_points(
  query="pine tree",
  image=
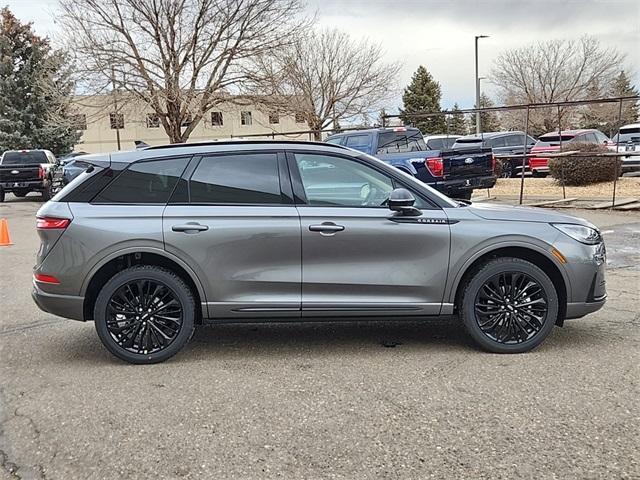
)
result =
(35, 91)
(423, 95)
(489, 121)
(622, 87)
(457, 124)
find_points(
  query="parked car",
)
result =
(24, 171)
(501, 143)
(451, 172)
(628, 140)
(68, 168)
(151, 242)
(550, 142)
(440, 142)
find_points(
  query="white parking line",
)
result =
(607, 231)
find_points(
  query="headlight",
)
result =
(582, 234)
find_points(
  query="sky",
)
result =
(439, 34)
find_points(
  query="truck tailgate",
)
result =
(19, 173)
(467, 163)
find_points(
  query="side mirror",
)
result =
(402, 200)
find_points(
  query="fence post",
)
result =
(615, 179)
(524, 156)
(564, 193)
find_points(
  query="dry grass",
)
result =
(547, 188)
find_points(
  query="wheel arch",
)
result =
(109, 266)
(529, 253)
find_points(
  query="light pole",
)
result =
(478, 84)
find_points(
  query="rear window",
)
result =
(468, 143)
(24, 158)
(395, 142)
(552, 140)
(237, 179)
(628, 134)
(144, 182)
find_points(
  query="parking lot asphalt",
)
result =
(338, 400)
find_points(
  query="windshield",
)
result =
(24, 158)
(410, 140)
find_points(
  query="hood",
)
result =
(491, 211)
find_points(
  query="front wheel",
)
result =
(145, 314)
(509, 305)
(20, 193)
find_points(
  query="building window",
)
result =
(116, 120)
(153, 120)
(79, 121)
(274, 118)
(299, 117)
(186, 121)
(245, 118)
(216, 119)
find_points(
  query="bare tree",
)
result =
(181, 57)
(553, 71)
(325, 77)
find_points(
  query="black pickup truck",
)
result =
(24, 171)
(455, 173)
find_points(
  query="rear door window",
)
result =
(247, 178)
(357, 142)
(144, 182)
(497, 142)
(401, 141)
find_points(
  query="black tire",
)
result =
(106, 323)
(47, 193)
(515, 328)
(507, 170)
(20, 193)
(1, 194)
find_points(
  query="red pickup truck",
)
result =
(550, 142)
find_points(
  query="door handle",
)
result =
(192, 227)
(326, 228)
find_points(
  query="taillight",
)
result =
(50, 223)
(41, 277)
(435, 166)
(40, 171)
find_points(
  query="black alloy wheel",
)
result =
(145, 314)
(508, 305)
(511, 307)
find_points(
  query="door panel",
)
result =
(379, 263)
(248, 258)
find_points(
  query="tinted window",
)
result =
(552, 140)
(355, 141)
(587, 137)
(515, 140)
(401, 141)
(244, 178)
(497, 142)
(24, 158)
(144, 182)
(335, 140)
(337, 181)
(436, 143)
(468, 143)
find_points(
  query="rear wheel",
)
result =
(47, 192)
(509, 305)
(507, 170)
(1, 194)
(145, 314)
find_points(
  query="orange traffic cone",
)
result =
(5, 239)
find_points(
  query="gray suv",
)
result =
(153, 242)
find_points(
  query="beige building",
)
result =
(134, 120)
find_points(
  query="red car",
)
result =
(550, 142)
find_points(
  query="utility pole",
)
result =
(115, 106)
(478, 83)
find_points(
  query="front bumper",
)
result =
(67, 306)
(579, 310)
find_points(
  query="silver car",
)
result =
(153, 242)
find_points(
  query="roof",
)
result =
(490, 134)
(373, 130)
(571, 132)
(176, 149)
(437, 137)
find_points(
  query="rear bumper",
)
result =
(464, 184)
(31, 185)
(67, 306)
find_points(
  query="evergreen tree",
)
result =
(457, 124)
(423, 95)
(489, 121)
(622, 87)
(35, 91)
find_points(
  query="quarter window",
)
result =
(237, 179)
(144, 182)
(337, 181)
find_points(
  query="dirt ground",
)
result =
(627, 187)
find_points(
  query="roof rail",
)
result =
(236, 142)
